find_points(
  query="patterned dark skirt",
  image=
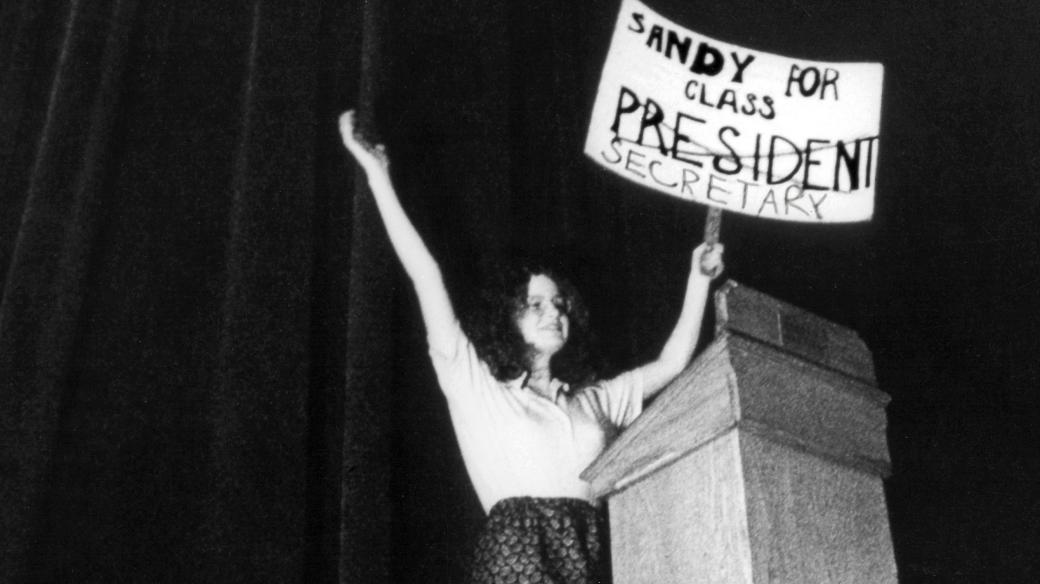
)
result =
(531, 540)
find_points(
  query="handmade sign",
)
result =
(734, 128)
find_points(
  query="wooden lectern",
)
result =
(762, 463)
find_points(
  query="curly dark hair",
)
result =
(492, 326)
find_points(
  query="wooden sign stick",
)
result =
(712, 223)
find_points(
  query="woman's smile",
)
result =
(543, 322)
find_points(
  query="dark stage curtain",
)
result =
(192, 342)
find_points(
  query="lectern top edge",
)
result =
(747, 312)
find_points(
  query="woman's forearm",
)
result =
(409, 246)
(411, 250)
(678, 349)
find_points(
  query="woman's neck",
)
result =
(539, 379)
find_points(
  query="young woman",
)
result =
(528, 415)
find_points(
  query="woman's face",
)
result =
(543, 321)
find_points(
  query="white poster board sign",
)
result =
(734, 128)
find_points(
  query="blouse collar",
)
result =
(556, 386)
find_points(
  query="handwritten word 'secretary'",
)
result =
(789, 201)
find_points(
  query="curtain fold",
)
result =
(47, 262)
(365, 511)
(259, 415)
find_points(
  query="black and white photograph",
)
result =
(619, 291)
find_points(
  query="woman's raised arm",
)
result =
(418, 263)
(706, 264)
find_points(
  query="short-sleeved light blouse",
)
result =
(516, 442)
